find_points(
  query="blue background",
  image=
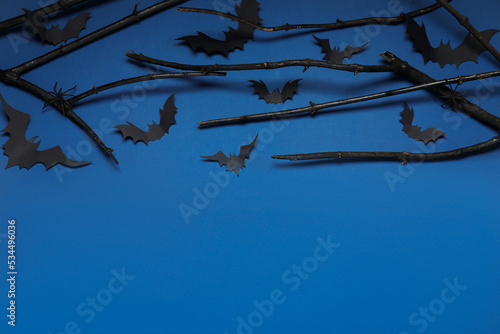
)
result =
(399, 240)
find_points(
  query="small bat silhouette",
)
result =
(24, 153)
(55, 34)
(335, 55)
(235, 162)
(289, 89)
(444, 54)
(155, 131)
(235, 38)
(413, 131)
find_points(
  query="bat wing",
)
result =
(350, 50)
(289, 89)
(235, 38)
(325, 48)
(155, 131)
(56, 35)
(129, 130)
(167, 114)
(430, 134)
(246, 149)
(413, 132)
(418, 35)
(469, 50)
(220, 157)
(35, 23)
(259, 87)
(24, 153)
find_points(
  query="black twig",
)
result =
(339, 24)
(403, 157)
(306, 63)
(96, 35)
(59, 5)
(147, 77)
(464, 21)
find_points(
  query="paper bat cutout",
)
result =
(235, 162)
(335, 55)
(444, 54)
(235, 38)
(155, 131)
(55, 34)
(24, 153)
(289, 89)
(413, 131)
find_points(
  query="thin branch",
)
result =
(306, 63)
(135, 17)
(464, 21)
(62, 106)
(403, 157)
(147, 77)
(59, 5)
(448, 95)
(335, 25)
(400, 67)
(313, 108)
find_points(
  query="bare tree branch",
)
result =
(59, 5)
(135, 17)
(147, 77)
(464, 21)
(403, 157)
(335, 25)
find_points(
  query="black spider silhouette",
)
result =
(451, 98)
(58, 96)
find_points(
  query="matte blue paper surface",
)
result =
(166, 242)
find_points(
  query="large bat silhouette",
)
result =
(444, 54)
(413, 131)
(335, 55)
(235, 162)
(155, 131)
(276, 96)
(235, 38)
(24, 153)
(55, 34)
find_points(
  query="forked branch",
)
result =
(464, 21)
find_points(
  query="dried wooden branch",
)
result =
(306, 63)
(313, 108)
(59, 5)
(464, 21)
(403, 157)
(12, 76)
(335, 25)
(147, 77)
(135, 17)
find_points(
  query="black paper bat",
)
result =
(444, 54)
(155, 131)
(335, 55)
(235, 162)
(24, 153)
(413, 131)
(55, 34)
(289, 89)
(235, 38)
